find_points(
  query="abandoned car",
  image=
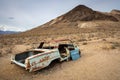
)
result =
(47, 52)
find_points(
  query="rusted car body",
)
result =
(41, 57)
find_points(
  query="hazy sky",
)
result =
(26, 14)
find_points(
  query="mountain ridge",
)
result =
(74, 20)
(8, 32)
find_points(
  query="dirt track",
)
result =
(95, 64)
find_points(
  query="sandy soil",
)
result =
(98, 37)
(98, 62)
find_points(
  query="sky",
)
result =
(22, 15)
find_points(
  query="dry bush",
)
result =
(108, 46)
(116, 44)
(104, 40)
(80, 40)
(0, 53)
(84, 43)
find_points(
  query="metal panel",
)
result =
(75, 54)
(40, 62)
(18, 63)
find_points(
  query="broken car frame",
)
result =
(41, 57)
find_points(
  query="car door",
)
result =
(75, 54)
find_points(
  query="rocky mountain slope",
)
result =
(79, 19)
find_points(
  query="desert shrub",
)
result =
(1, 45)
(9, 50)
(89, 39)
(104, 40)
(0, 53)
(116, 44)
(82, 40)
(108, 47)
(84, 43)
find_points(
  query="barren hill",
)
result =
(75, 20)
(83, 13)
(80, 19)
(116, 13)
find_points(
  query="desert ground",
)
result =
(100, 60)
(96, 33)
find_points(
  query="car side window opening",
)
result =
(65, 49)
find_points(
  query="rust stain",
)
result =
(37, 68)
(33, 63)
(27, 63)
(41, 60)
(44, 59)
